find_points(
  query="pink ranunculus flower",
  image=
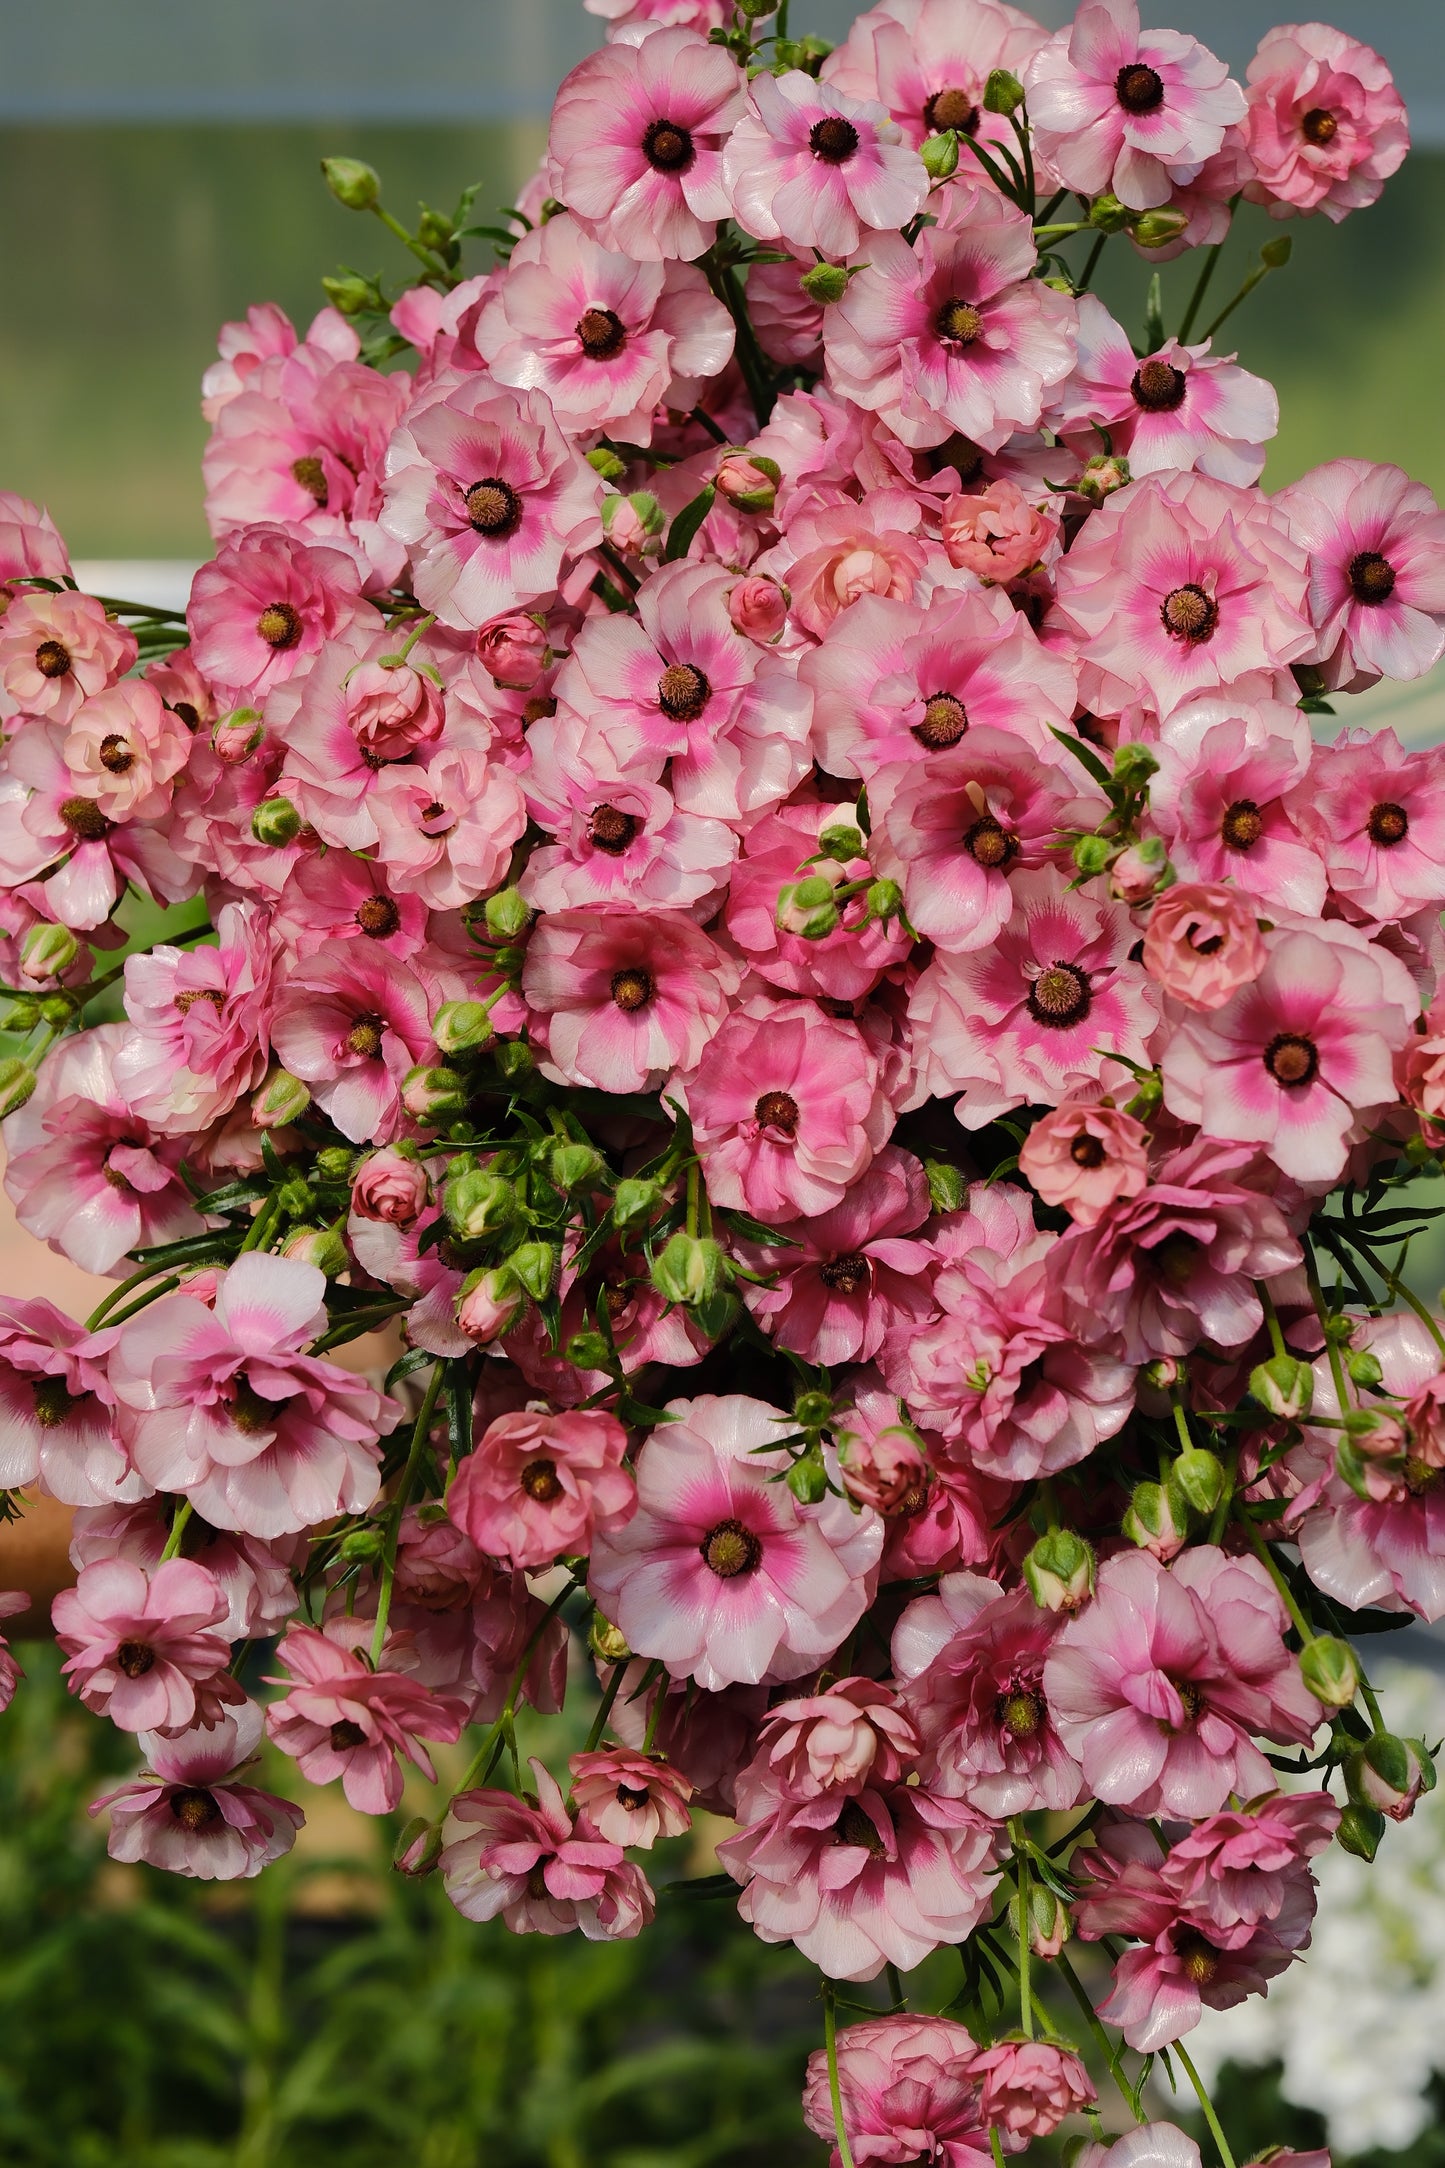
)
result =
(31, 545)
(1376, 547)
(624, 17)
(138, 1648)
(341, 1718)
(1225, 797)
(56, 1427)
(266, 605)
(999, 532)
(953, 333)
(843, 965)
(198, 1024)
(929, 62)
(1421, 1073)
(536, 1870)
(1290, 1061)
(624, 998)
(843, 1279)
(1326, 126)
(445, 826)
(788, 1108)
(811, 166)
(125, 747)
(489, 498)
(1029, 2086)
(721, 1573)
(1203, 943)
(255, 1577)
(758, 608)
(264, 331)
(1235, 1868)
(57, 651)
(851, 1737)
(618, 841)
(883, 1876)
(83, 1172)
(636, 141)
(630, 1798)
(1375, 813)
(57, 840)
(1159, 1683)
(224, 1406)
(907, 2091)
(1128, 111)
(536, 1486)
(1179, 407)
(186, 1812)
(971, 1657)
(1086, 1156)
(607, 338)
(1180, 584)
(1034, 1018)
(351, 1025)
(388, 1186)
(846, 551)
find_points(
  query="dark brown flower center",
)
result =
(53, 1401)
(1060, 996)
(537, 709)
(1292, 1059)
(279, 625)
(633, 1797)
(1242, 825)
(1138, 89)
(1388, 825)
(364, 1037)
(311, 476)
(194, 1808)
(1199, 1958)
(84, 819)
(855, 1825)
(945, 720)
(846, 1275)
(1190, 614)
(610, 830)
(1319, 126)
(833, 139)
(52, 659)
(116, 756)
(1021, 1712)
(958, 321)
(778, 1110)
(540, 1480)
(1158, 386)
(345, 1735)
(1191, 1698)
(1371, 577)
(1087, 1150)
(186, 1001)
(250, 1411)
(729, 1549)
(683, 692)
(601, 333)
(989, 844)
(667, 146)
(951, 108)
(135, 1658)
(632, 988)
(493, 507)
(379, 916)
(1175, 1258)
(189, 714)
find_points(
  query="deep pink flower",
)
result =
(635, 145)
(57, 839)
(1225, 799)
(84, 1173)
(623, 998)
(1376, 815)
(124, 747)
(339, 1718)
(533, 1868)
(58, 650)
(536, 1486)
(445, 827)
(1180, 406)
(1236, 1868)
(224, 1406)
(1180, 584)
(1158, 1683)
(352, 1024)
(618, 841)
(1290, 1061)
(186, 1812)
(1129, 111)
(198, 1037)
(788, 1108)
(138, 1647)
(266, 605)
(1086, 1155)
(255, 1577)
(881, 1877)
(1326, 126)
(1029, 2086)
(1376, 594)
(952, 333)
(489, 498)
(907, 2091)
(850, 1738)
(1202, 944)
(387, 1186)
(938, 1514)
(972, 1657)
(929, 62)
(845, 551)
(607, 338)
(844, 964)
(337, 896)
(630, 1798)
(809, 165)
(56, 1427)
(721, 1573)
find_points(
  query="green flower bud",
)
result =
(1156, 229)
(352, 183)
(812, 1411)
(1108, 215)
(946, 1184)
(17, 1082)
(806, 908)
(1275, 254)
(1092, 855)
(1198, 1477)
(1340, 1329)
(418, 1848)
(514, 1059)
(334, 1162)
(361, 1546)
(1364, 1368)
(753, 11)
(1133, 766)
(535, 1266)
(1360, 1831)
(319, 1246)
(844, 841)
(460, 1026)
(606, 1641)
(588, 1351)
(688, 1270)
(507, 915)
(1060, 1570)
(1102, 475)
(884, 899)
(825, 283)
(642, 504)
(1002, 93)
(350, 295)
(46, 951)
(435, 230)
(1156, 1520)
(575, 1166)
(635, 1199)
(57, 1008)
(1389, 1774)
(1284, 1387)
(432, 1094)
(807, 1479)
(940, 155)
(275, 823)
(1330, 1670)
(480, 1206)
(607, 463)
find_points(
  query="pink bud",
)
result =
(388, 1186)
(758, 607)
(393, 710)
(491, 1303)
(513, 650)
(749, 484)
(237, 735)
(1203, 943)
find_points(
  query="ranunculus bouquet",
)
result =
(771, 912)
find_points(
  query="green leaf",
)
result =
(686, 524)
(1088, 760)
(415, 1358)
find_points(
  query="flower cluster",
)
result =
(754, 886)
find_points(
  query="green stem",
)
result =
(422, 254)
(166, 1286)
(178, 1529)
(830, 2038)
(422, 625)
(1271, 1318)
(654, 1717)
(1407, 1295)
(895, 1987)
(263, 1226)
(1337, 1368)
(1181, 1422)
(484, 1755)
(1206, 2104)
(398, 1507)
(995, 2145)
(140, 609)
(1110, 2053)
(604, 1710)
(1201, 288)
(107, 1302)
(1021, 1869)
(694, 1176)
(1091, 264)
(1267, 1559)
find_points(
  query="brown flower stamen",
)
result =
(1158, 386)
(1138, 88)
(1087, 1150)
(683, 692)
(135, 1658)
(729, 1550)
(364, 1037)
(668, 147)
(958, 321)
(856, 1826)
(989, 844)
(632, 988)
(309, 474)
(493, 507)
(1190, 614)
(950, 108)
(279, 626)
(84, 819)
(1292, 1059)
(846, 1275)
(195, 1808)
(601, 333)
(1319, 126)
(945, 719)
(378, 916)
(345, 1734)
(52, 659)
(540, 1480)
(1371, 577)
(1387, 825)
(610, 830)
(778, 1110)
(1060, 996)
(833, 139)
(1242, 825)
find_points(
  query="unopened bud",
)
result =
(807, 1479)
(1049, 1924)
(1360, 1831)
(460, 1026)
(1002, 93)
(635, 1199)
(352, 183)
(535, 1265)
(606, 463)
(1284, 1387)
(806, 908)
(46, 952)
(813, 1411)
(575, 1166)
(688, 1270)
(361, 1546)
(1339, 1328)
(418, 1848)
(1133, 766)
(319, 1246)
(276, 823)
(1092, 855)
(843, 841)
(514, 1059)
(1330, 1670)
(434, 229)
(1389, 1774)
(334, 1162)
(1108, 215)
(946, 1184)
(1198, 1477)
(1140, 871)
(748, 481)
(825, 283)
(1275, 254)
(884, 899)
(940, 155)
(631, 521)
(588, 1351)
(432, 1095)
(1060, 1570)
(489, 1304)
(350, 295)
(508, 915)
(1156, 1520)
(1156, 229)
(235, 737)
(1102, 475)
(480, 1206)
(1364, 1368)
(17, 1082)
